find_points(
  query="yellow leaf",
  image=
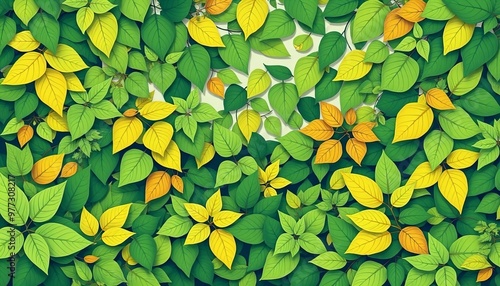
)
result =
(127, 256)
(318, 130)
(456, 34)
(368, 243)
(24, 135)
(337, 181)
(279, 183)
(413, 121)
(51, 88)
(356, 150)
(226, 218)
(207, 155)
(249, 121)
(475, 262)
(84, 18)
(462, 158)
(157, 110)
(216, 86)
(484, 274)
(412, 239)
(45, 170)
(57, 122)
(215, 7)
(438, 99)
(272, 171)
(350, 116)
(157, 185)
(412, 11)
(90, 258)
(396, 26)
(214, 203)
(204, 31)
(73, 82)
(262, 176)
(66, 59)
(258, 81)
(223, 246)
(363, 132)
(251, 15)
(402, 195)
(329, 151)
(125, 132)
(88, 223)
(293, 200)
(423, 176)
(28, 68)
(371, 220)
(158, 136)
(331, 114)
(177, 183)
(114, 217)
(270, 192)
(353, 67)
(453, 186)
(140, 102)
(24, 42)
(364, 190)
(197, 234)
(115, 236)
(171, 158)
(197, 212)
(69, 169)
(103, 32)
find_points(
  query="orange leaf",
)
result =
(131, 112)
(484, 274)
(45, 170)
(24, 135)
(412, 239)
(318, 130)
(412, 11)
(157, 185)
(69, 169)
(350, 116)
(331, 114)
(356, 149)
(90, 258)
(216, 86)
(177, 183)
(395, 26)
(438, 99)
(329, 151)
(363, 132)
(215, 7)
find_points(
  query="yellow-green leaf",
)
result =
(28, 68)
(214, 203)
(249, 121)
(84, 18)
(371, 220)
(293, 200)
(66, 59)
(456, 34)
(197, 234)
(226, 218)
(251, 15)
(368, 243)
(402, 195)
(88, 223)
(114, 217)
(353, 67)
(453, 186)
(103, 32)
(52, 88)
(203, 30)
(475, 262)
(223, 246)
(125, 132)
(413, 121)
(73, 82)
(337, 181)
(158, 136)
(115, 236)
(24, 42)
(197, 212)
(423, 176)
(364, 190)
(25, 10)
(258, 81)
(207, 155)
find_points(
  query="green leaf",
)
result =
(406, 45)
(37, 251)
(424, 262)
(249, 229)
(8, 246)
(162, 75)
(80, 120)
(158, 34)
(19, 206)
(307, 73)
(369, 20)
(340, 8)
(480, 102)
(387, 174)
(105, 110)
(423, 49)
(248, 192)
(137, 84)
(226, 142)
(103, 163)
(135, 166)
(438, 250)
(278, 25)
(236, 53)
(283, 98)
(437, 10)
(396, 273)
(331, 48)
(205, 113)
(248, 165)
(8, 28)
(466, 246)
(458, 124)
(143, 250)
(194, 65)
(471, 11)
(370, 273)
(46, 30)
(62, 240)
(459, 84)
(279, 265)
(279, 72)
(311, 243)
(286, 244)
(437, 146)
(227, 173)
(487, 156)
(303, 11)
(184, 256)
(108, 272)
(83, 270)
(438, 63)
(128, 33)
(446, 276)
(228, 76)
(19, 162)
(140, 276)
(298, 145)
(44, 205)
(258, 82)
(377, 52)
(480, 49)
(329, 260)
(135, 10)
(175, 10)
(399, 72)
(176, 226)
(272, 124)
(234, 98)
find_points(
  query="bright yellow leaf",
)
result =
(216, 86)
(214, 203)
(412, 239)
(353, 67)
(114, 217)
(337, 181)
(258, 81)
(177, 183)
(84, 18)
(249, 121)
(73, 82)
(475, 262)
(46, 170)
(356, 150)
(438, 99)
(197, 234)
(51, 88)
(251, 15)
(223, 246)
(272, 171)
(368, 243)
(453, 186)
(412, 121)
(28, 68)
(66, 59)
(171, 158)
(363, 132)
(69, 169)
(318, 130)
(402, 195)
(364, 190)
(263, 176)
(293, 200)
(456, 34)
(57, 122)
(423, 176)
(270, 192)
(226, 218)
(412, 10)
(331, 114)
(125, 132)
(90, 258)
(329, 151)
(215, 7)
(203, 30)
(462, 158)
(115, 236)
(158, 136)
(127, 256)
(279, 183)
(207, 155)
(197, 212)
(24, 42)
(24, 135)
(484, 274)
(157, 110)
(157, 185)
(88, 223)
(396, 26)
(103, 32)
(371, 220)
